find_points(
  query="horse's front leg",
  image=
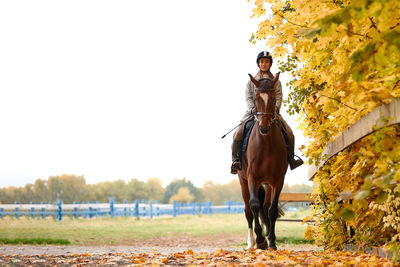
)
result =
(255, 209)
(267, 204)
(263, 211)
(249, 215)
(273, 214)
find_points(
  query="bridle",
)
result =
(264, 114)
(265, 87)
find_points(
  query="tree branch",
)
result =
(394, 26)
(305, 26)
(283, 17)
(373, 25)
(395, 85)
(339, 101)
(359, 34)
(313, 120)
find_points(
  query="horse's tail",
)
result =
(261, 198)
(281, 211)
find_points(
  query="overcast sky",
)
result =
(125, 89)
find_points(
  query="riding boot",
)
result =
(293, 163)
(236, 147)
(289, 139)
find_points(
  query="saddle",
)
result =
(248, 126)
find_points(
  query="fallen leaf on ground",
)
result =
(215, 258)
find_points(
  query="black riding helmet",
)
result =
(264, 54)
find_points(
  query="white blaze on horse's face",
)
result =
(264, 96)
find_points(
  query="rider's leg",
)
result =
(236, 147)
(289, 139)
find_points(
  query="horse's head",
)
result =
(265, 102)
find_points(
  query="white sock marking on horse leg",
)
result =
(250, 239)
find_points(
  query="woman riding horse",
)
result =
(266, 165)
(264, 62)
(270, 149)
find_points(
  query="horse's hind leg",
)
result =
(255, 208)
(249, 215)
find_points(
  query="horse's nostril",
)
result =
(264, 130)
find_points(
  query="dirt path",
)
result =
(166, 244)
(210, 250)
(214, 250)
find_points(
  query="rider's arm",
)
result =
(249, 99)
(278, 93)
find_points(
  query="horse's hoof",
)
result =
(272, 247)
(249, 248)
(263, 245)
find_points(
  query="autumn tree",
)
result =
(41, 192)
(10, 194)
(174, 186)
(154, 189)
(103, 191)
(183, 195)
(297, 188)
(68, 188)
(344, 57)
(220, 193)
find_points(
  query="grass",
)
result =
(33, 241)
(123, 230)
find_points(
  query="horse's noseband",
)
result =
(264, 114)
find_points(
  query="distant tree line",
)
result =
(70, 188)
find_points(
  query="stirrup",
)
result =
(236, 166)
(294, 163)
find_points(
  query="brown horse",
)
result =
(267, 165)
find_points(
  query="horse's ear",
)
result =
(253, 80)
(276, 78)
